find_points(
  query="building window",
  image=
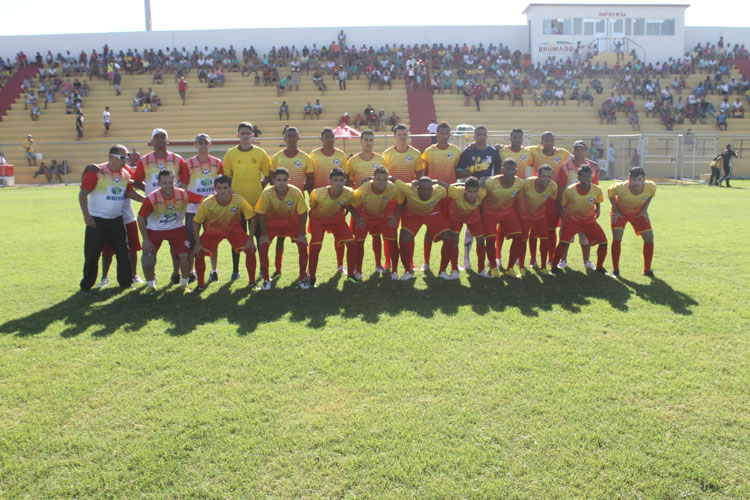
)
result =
(577, 25)
(667, 27)
(557, 26)
(653, 27)
(628, 26)
(588, 27)
(639, 27)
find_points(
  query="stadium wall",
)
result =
(516, 37)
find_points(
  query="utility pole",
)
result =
(148, 14)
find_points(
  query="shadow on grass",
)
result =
(108, 311)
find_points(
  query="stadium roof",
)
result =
(683, 5)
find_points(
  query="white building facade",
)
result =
(655, 32)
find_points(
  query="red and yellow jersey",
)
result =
(202, 177)
(218, 218)
(247, 170)
(148, 168)
(441, 163)
(323, 164)
(556, 160)
(291, 205)
(569, 172)
(418, 206)
(532, 201)
(581, 207)
(323, 206)
(362, 169)
(163, 214)
(522, 157)
(107, 190)
(459, 206)
(500, 198)
(627, 202)
(372, 204)
(403, 166)
(298, 166)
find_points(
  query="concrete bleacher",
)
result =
(215, 111)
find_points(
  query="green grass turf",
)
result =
(573, 387)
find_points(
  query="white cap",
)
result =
(159, 131)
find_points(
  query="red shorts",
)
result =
(593, 231)
(336, 226)
(237, 239)
(134, 242)
(553, 214)
(374, 225)
(436, 222)
(177, 238)
(508, 221)
(283, 227)
(537, 226)
(473, 223)
(640, 224)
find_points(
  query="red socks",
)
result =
(648, 254)
(489, 249)
(314, 256)
(543, 249)
(407, 255)
(481, 253)
(351, 257)
(302, 259)
(427, 249)
(552, 239)
(515, 253)
(616, 249)
(392, 253)
(279, 258)
(377, 250)
(340, 255)
(601, 255)
(445, 255)
(263, 256)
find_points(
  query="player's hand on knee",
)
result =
(89, 221)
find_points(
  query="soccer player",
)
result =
(162, 217)
(547, 154)
(325, 159)
(379, 204)
(249, 167)
(569, 175)
(328, 207)
(536, 192)
(281, 210)
(102, 198)
(423, 207)
(439, 161)
(147, 171)
(301, 175)
(203, 169)
(581, 207)
(463, 203)
(481, 161)
(221, 217)
(630, 201)
(361, 168)
(500, 206)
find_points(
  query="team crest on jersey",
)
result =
(336, 162)
(116, 180)
(514, 192)
(523, 157)
(545, 196)
(341, 203)
(449, 156)
(409, 158)
(644, 198)
(170, 207)
(432, 203)
(206, 171)
(488, 159)
(161, 167)
(590, 199)
(557, 159)
(375, 165)
(290, 203)
(234, 210)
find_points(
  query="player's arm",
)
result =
(147, 246)
(261, 219)
(441, 183)
(83, 200)
(302, 225)
(644, 211)
(139, 176)
(252, 226)
(598, 209)
(134, 195)
(355, 217)
(183, 174)
(463, 169)
(309, 182)
(197, 234)
(91, 167)
(394, 219)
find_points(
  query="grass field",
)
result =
(571, 387)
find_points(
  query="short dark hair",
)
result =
(280, 171)
(245, 125)
(585, 169)
(480, 127)
(367, 132)
(400, 126)
(325, 131)
(336, 172)
(380, 169)
(517, 129)
(290, 129)
(545, 168)
(443, 125)
(510, 161)
(637, 172)
(223, 179)
(471, 182)
(114, 150)
(165, 173)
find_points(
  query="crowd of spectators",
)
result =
(54, 171)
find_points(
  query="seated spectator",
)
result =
(317, 109)
(548, 95)
(345, 119)
(307, 111)
(635, 120)
(220, 77)
(721, 121)
(43, 170)
(281, 86)
(202, 75)
(708, 107)
(34, 112)
(667, 118)
(381, 119)
(211, 79)
(394, 120)
(738, 111)
(283, 110)
(155, 102)
(505, 91)
(559, 96)
(588, 96)
(158, 76)
(137, 103)
(256, 79)
(54, 172)
(650, 108)
(517, 95)
(628, 106)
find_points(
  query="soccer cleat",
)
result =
(616, 273)
(104, 282)
(445, 276)
(353, 279)
(494, 272)
(511, 273)
(266, 285)
(137, 279)
(342, 270)
(649, 273)
(312, 282)
(234, 277)
(562, 264)
(193, 276)
(601, 270)
(200, 289)
(455, 275)
(523, 271)
(425, 267)
(275, 275)
(175, 279)
(214, 276)
(303, 284)
(186, 289)
(407, 276)
(555, 270)
(394, 276)
(532, 263)
(149, 289)
(484, 274)
(379, 270)
(358, 276)
(543, 271)
(589, 265)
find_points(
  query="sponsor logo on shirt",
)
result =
(206, 182)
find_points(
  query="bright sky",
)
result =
(94, 16)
